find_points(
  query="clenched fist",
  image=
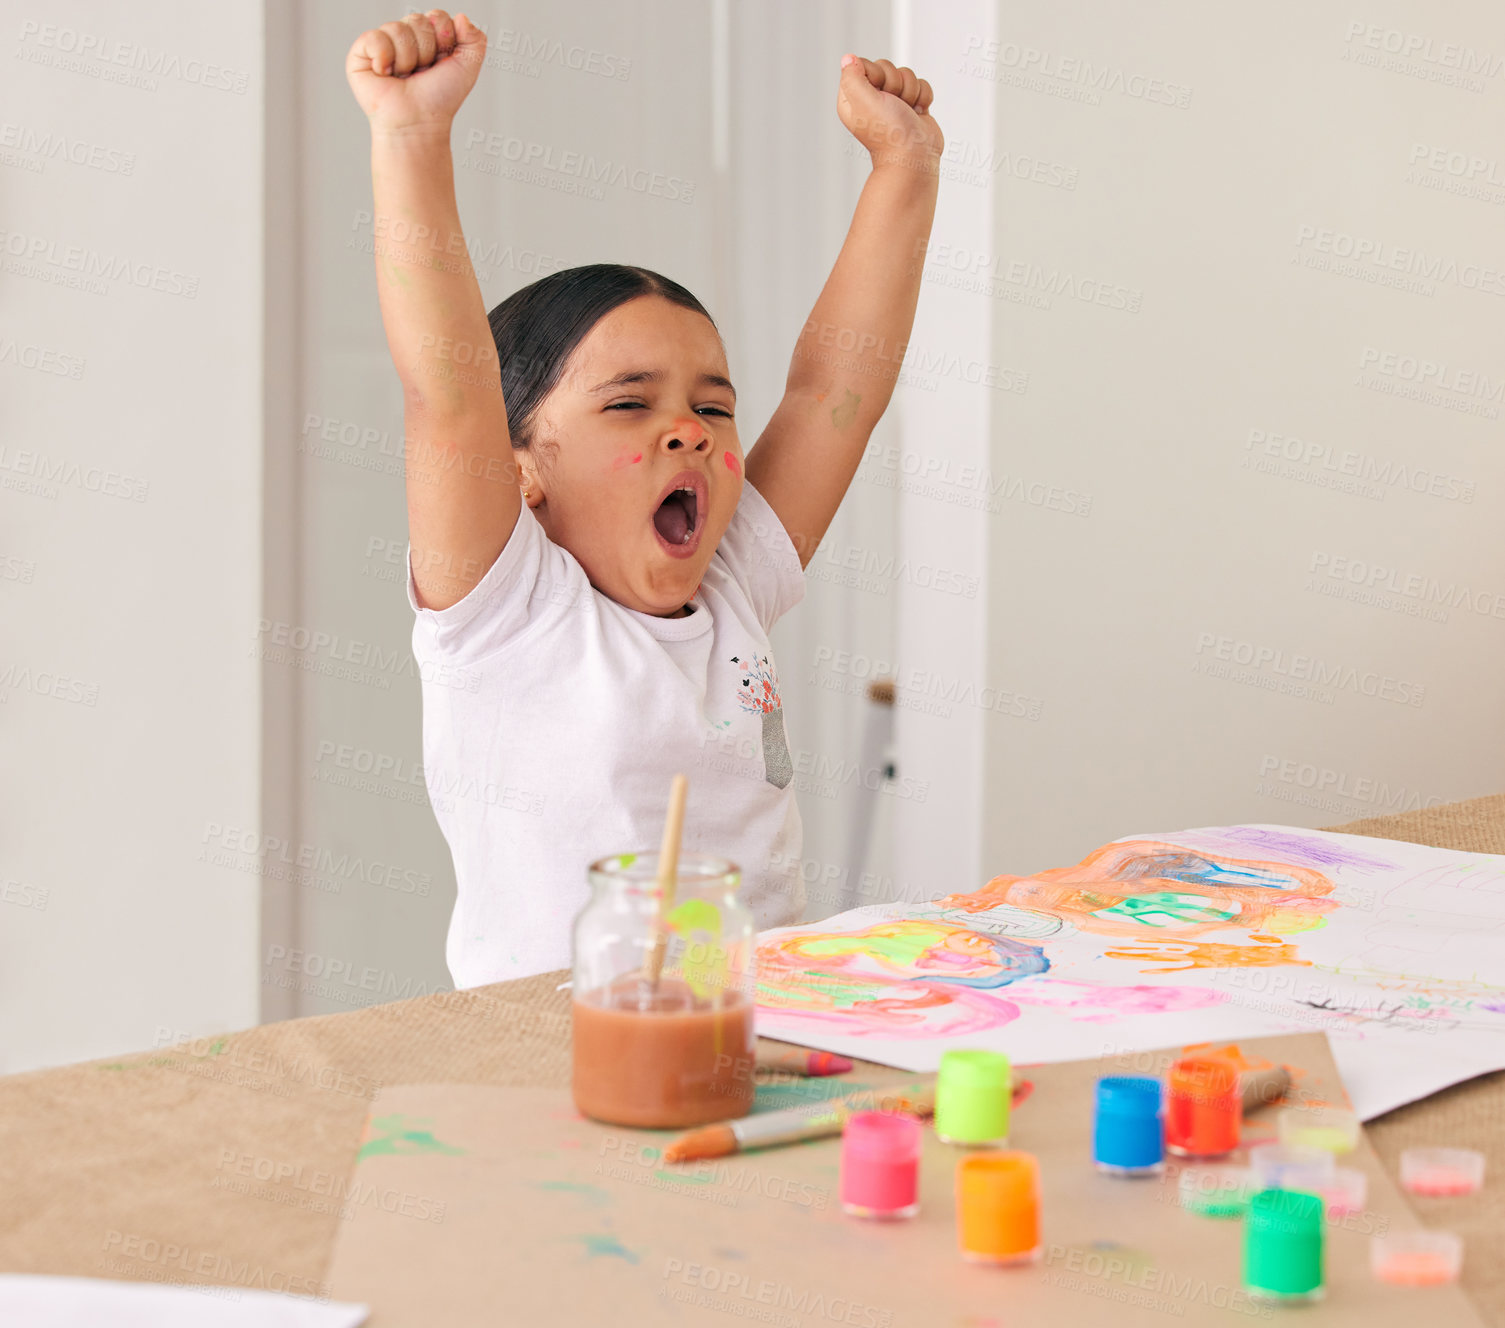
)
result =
(415, 71)
(887, 109)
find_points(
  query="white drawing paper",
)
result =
(1397, 951)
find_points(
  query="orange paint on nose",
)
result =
(731, 463)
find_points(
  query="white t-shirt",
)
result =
(554, 720)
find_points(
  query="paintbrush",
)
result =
(1259, 1088)
(818, 1120)
(668, 867)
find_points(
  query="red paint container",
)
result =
(1203, 1107)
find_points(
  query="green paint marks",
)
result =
(626, 860)
(698, 923)
(401, 1135)
(682, 1177)
(802, 1092)
(594, 1193)
(820, 991)
(1168, 908)
(843, 415)
(607, 1246)
(903, 947)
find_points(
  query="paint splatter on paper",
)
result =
(1136, 887)
(1178, 955)
(908, 976)
(1090, 1002)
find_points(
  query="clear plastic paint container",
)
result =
(1346, 1193)
(1333, 1129)
(1416, 1258)
(1215, 1191)
(1281, 1167)
(972, 1098)
(998, 1207)
(1283, 1247)
(1442, 1172)
(880, 1166)
(1204, 1109)
(1128, 1126)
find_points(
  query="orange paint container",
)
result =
(998, 1207)
(1203, 1107)
(1416, 1258)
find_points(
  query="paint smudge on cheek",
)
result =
(732, 464)
(626, 459)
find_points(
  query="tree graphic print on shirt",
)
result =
(759, 695)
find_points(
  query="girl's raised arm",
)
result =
(410, 77)
(845, 362)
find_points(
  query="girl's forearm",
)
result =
(853, 341)
(431, 302)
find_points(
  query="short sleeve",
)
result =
(531, 580)
(761, 558)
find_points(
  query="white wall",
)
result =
(1219, 224)
(263, 418)
(945, 404)
(130, 511)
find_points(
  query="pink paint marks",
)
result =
(1088, 1002)
(913, 1010)
(731, 463)
(625, 460)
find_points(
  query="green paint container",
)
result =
(1283, 1232)
(972, 1095)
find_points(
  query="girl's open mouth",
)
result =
(677, 520)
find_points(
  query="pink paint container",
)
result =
(880, 1165)
(1442, 1172)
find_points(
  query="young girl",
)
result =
(593, 569)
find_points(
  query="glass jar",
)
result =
(677, 1051)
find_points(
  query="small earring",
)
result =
(526, 495)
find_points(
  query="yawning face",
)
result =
(636, 467)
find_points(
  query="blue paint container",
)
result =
(1128, 1135)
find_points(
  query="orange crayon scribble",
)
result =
(1208, 954)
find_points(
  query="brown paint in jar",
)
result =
(657, 1056)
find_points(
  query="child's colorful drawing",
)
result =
(1221, 933)
(876, 977)
(1137, 886)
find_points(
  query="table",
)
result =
(221, 1161)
